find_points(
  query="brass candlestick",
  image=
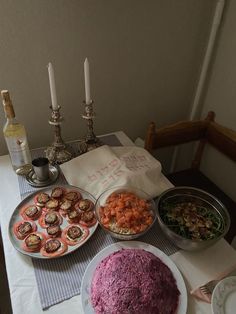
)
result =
(91, 141)
(58, 152)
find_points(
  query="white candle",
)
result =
(52, 86)
(87, 82)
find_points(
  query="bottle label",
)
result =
(18, 150)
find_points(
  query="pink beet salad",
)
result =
(133, 281)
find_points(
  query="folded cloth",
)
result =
(105, 167)
(199, 294)
(202, 266)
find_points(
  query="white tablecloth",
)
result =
(22, 282)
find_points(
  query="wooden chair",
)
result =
(206, 132)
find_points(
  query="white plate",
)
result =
(223, 299)
(86, 281)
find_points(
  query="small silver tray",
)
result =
(53, 175)
(30, 200)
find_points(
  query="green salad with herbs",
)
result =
(192, 220)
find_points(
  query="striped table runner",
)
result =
(60, 279)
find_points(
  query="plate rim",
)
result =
(214, 305)
(25, 200)
(87, 277)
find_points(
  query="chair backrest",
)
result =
(204, 131)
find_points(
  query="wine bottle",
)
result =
(16, 139)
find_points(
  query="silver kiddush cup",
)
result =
(41, 168)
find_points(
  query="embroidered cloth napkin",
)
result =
(105, 167)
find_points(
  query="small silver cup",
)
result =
(41, 168)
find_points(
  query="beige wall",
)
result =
(221, 97)
(144, 59)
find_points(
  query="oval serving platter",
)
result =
(29, 200)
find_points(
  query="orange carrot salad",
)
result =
(125, 212)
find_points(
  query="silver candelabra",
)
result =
(58, 152)
(90, 141)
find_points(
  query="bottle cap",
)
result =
(5, 95)
(8, 107)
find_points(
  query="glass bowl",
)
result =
(208, 209)
(126, 213)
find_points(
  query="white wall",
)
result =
(221, 98)
(144, 58)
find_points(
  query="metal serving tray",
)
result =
(30, 200)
